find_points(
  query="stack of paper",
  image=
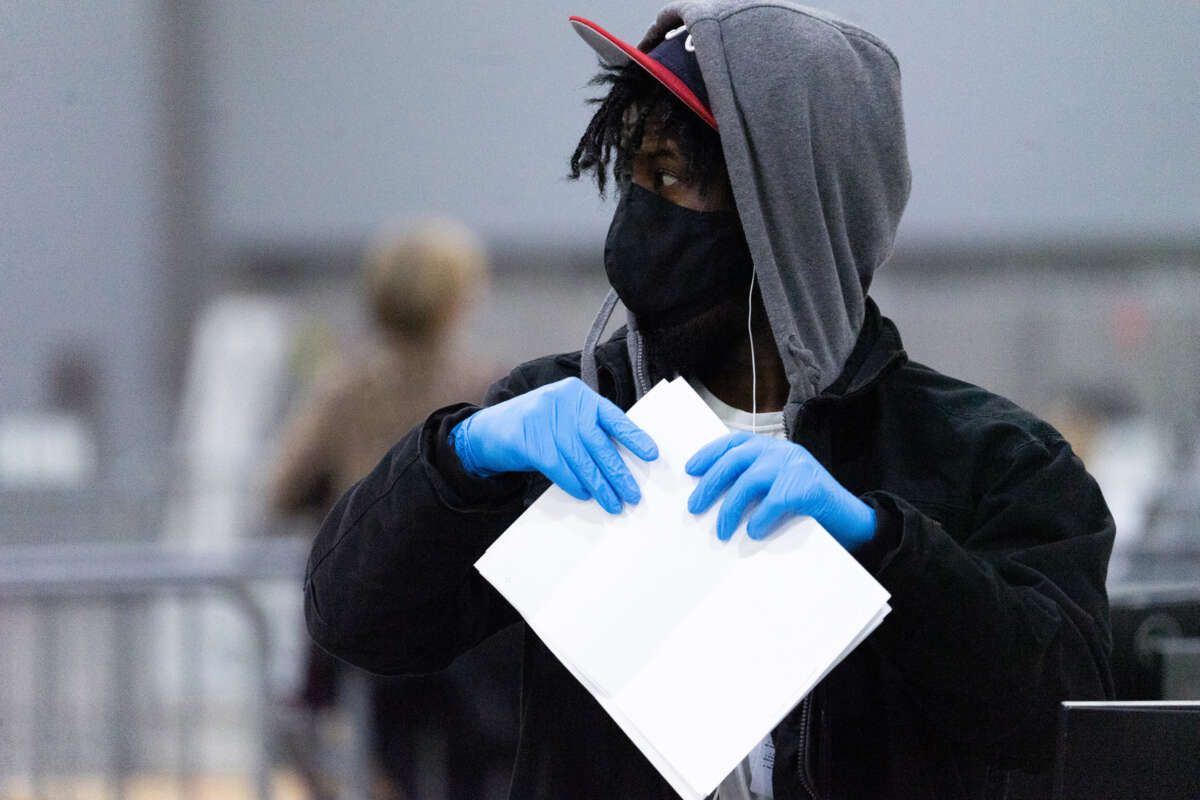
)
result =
(696, 647)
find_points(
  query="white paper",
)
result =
(696, 647)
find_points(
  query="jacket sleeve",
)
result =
(390, 584)
(994, 626)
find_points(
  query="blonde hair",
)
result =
(418, 276)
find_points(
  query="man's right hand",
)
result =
(563, 430)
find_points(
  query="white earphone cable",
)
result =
(753, 370)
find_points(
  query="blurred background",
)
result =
(186, 192)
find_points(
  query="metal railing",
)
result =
(123, 577)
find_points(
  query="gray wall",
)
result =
(1025, 118)
(79, 242)
(133, 149)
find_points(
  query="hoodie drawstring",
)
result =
(587, 362)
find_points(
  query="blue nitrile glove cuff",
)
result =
(861, 533)
(460, 440)
(878, 551)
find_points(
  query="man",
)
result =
(759, 154)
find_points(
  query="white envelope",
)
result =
(697, 648)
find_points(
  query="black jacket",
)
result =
(993, 541)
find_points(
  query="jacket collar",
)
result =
(877, 352)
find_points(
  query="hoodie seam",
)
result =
(844, 28)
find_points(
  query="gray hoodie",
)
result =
(811, 125)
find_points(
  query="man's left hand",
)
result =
(784, 478)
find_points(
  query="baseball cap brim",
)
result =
(615, 53)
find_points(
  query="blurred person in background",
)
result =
(419, 279)
(759, 153)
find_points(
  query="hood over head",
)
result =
(809, 113)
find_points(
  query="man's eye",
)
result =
(667, 179)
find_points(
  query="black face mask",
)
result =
(669, 263)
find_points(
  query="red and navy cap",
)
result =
(672, 62)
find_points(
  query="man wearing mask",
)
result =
(758, 151)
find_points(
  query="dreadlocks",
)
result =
(635, 102)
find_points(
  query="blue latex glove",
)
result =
(784, 478)
(563, 430)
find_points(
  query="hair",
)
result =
(418, 277)
(637, 102)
